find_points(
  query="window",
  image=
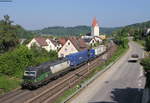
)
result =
(68, 43)
(29, 73)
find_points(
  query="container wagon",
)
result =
(91, 54)
(77, 59)
(100, 50)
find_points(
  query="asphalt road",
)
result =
(122, 83)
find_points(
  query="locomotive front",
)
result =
(29, 78)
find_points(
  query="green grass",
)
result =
(120, 51)
(8, 83)
(141, 42)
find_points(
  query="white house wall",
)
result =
(92, 42)
(50, 46)
(98, 39)
(32, 42)
(67, 49)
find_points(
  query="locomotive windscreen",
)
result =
(29, 74)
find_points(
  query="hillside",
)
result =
(140, 25)
(69, 31)
(137, 30)
(22, 33)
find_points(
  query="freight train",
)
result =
(34, 77)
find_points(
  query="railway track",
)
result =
(51, 91)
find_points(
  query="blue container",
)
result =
(91, 54)
(78, 58)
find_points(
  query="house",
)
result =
(148, 31)
(98, 39)
(62, 41)
(90, 41)
(72, 45)
(38, 41)
(52, 45)
(22, 40)
(46, 43)
(103, 37)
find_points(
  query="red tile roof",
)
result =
(62, 40)
(53, 41)
(78, 43)
(41, 41)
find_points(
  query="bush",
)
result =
(147, 43)
(146, 63)
(13, 62)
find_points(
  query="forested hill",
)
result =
(138, 29)
(140, 25)
(22, 33)
(69, 31)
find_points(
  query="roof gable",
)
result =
(62, 40)
(55, 43)
(41, 41)
(78, 43)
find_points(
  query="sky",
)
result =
(37, 14)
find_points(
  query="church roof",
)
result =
(94, 23)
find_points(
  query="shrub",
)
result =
(146, 63)
(13, 62)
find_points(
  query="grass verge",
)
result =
(7, 84)
(141, 42)
(120, 51)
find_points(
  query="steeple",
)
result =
(95, 28)
(94, 23)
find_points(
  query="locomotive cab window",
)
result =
(29, 73)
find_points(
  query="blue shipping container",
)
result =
(78, 58)
(91, 54)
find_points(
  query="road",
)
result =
(122, 83)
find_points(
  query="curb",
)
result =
(84, 85)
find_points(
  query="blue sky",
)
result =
(37, 14)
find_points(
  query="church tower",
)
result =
(95, 28)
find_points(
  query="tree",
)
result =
(7, 34)
(147, 43)
(146, 65)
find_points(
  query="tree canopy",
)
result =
(10, 34)
(7, 34)
(71, 31)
